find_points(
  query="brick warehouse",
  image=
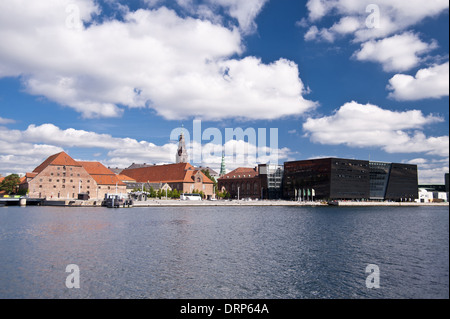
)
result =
(61, 177)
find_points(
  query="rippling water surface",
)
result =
(224, 252)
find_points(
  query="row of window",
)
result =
(71, 181)
(63, 174)
(81, 187)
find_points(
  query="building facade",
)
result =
(182, 176)
(61, 177)
(241, 183)
(349, 179)
(271, 177)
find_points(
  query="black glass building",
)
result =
(349, 179)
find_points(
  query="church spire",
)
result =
(182, 155)
(222, 166)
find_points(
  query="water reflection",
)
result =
(223, 252)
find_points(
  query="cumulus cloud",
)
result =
(23, 150)
(358, 125)
(397, 53)
(393, 16)
(431, 171)
(432, 82)
(179, 66)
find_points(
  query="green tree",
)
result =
(152, 192)
(10, 184)
(175, 193)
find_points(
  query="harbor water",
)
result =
(224, 252)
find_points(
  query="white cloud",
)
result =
(358, 125)
(179, 66)
(6, 121)
(244, 11)
(432, 82)
(394, 16)
(431, 171)
(22, 151)
(397, 53)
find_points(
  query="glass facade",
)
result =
(379, 178)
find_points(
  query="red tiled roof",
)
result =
(241, 172)
(57, 159)
(172, 173)
(95, 168)
(125, 178)
(101, 174)
(107, 180)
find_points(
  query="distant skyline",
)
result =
(110, 80)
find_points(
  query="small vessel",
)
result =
(116, 201)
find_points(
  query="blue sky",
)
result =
(109, 80)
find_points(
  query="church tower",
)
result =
(182, 155)
(222, 166)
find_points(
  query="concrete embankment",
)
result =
(178, 203)
(169, 203)
(388, 204)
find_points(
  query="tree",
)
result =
(10, 184)
(175, 193)
(152, 192)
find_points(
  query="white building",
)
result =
(427, 195)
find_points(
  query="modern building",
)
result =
(61, 177)
(349, 179)
(430, 194)
(271, 177)
(446, 182)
